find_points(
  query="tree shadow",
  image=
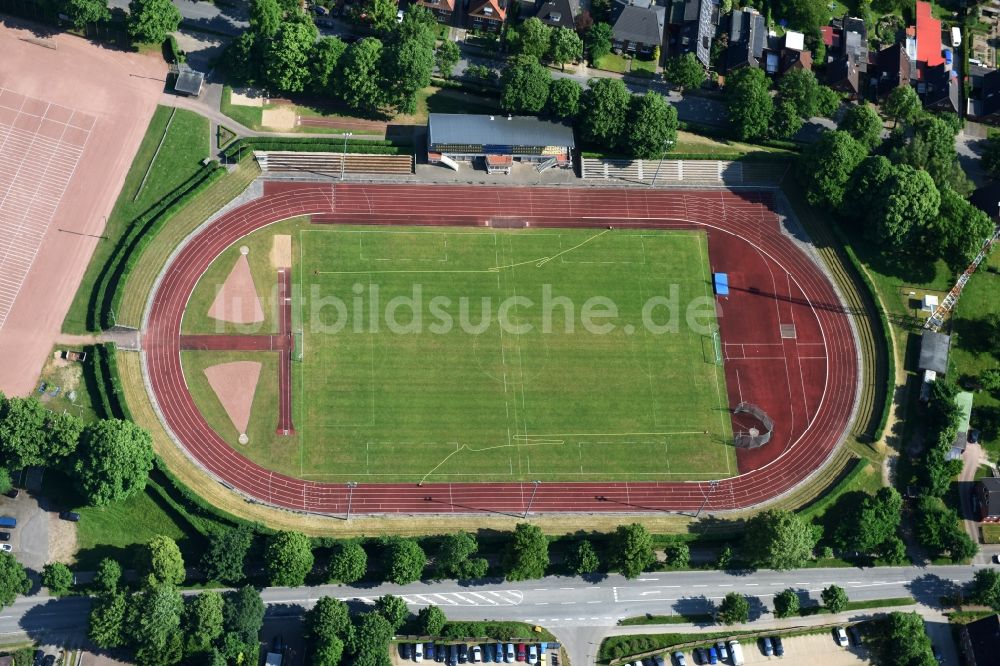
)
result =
(934, 591)
(978, 336)
(699, 610)
(757, 608)
(987, 420)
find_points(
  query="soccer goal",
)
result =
(298, 345)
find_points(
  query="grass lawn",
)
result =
(688, 142)
(248, 116)
(447, 100)
(643, 67)
(991, 532)
(481, 401)
(865, 477)
(185, 145)
(69, 378)
(612, 63)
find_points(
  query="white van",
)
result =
(736, 653)
(956, 37)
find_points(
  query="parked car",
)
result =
(736, 653)
(840, 636)
(8, 522)
(658, 661)
(713, 655)
(509, 654)
(779, 649)
(498, 653)
(522, 652)
(6, 547)
(476, 655)
(453, 654)
(429, 651)
(488, 654)
(4, 536)
(405, 650)
(463, 653)
(679, 658)
(723, 652)
(532, 654)
(440, 652)
(71, 516)
(700, 657)
(12, 493)
(418, 652)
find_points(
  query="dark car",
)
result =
(428, 651)
(405, 650)
(700, 656)
(4, 536)
(779, 649)
(973, 436)
(463, 653)
(71, 516)
(498, 653)
(766, 647)
(12, 493)
(453, 654)
(440, 652)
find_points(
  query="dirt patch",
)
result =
(62, 540)
(247, 97)
(281, 251)
(237, 301)
(279, 119)
(62, 374)
(234, 384)
(103, 98)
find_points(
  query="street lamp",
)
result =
(666, 149)
(532, 498)
(351, 485)
(343, 157)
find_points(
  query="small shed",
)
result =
(963, 401)
(189, 82)
(929, 303)
(934, 352)
(988, 499)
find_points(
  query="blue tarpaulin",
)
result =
(721, 284)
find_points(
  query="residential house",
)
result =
(747, 39)
(442, 9)
(984, 98)
(637, 26)
(486, 15)
(785, 53)
(936, 81)
(979, 641)
(890, 68)
(691, 28)
(846, 42)
(557, 14)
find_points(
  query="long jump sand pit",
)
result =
(71, 120)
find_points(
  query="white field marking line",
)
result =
(703, 261)
(788, 379)
(649, 364)
(520, 364)
(802, 379)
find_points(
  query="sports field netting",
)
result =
(482, 402)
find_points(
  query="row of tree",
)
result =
(148, 21)
(109, 460)
(756, 115)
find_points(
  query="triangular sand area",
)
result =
(234, 384)
(237, 300)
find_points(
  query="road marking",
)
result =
(647, 580)
(648, 592)
(594, 602)
(541, 589)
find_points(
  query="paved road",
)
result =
(229, 18)
(573, 608)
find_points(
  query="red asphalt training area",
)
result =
(789, 347)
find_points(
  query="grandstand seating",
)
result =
(331, 163)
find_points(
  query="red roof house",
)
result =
(928, 36)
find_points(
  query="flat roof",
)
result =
(499, 130)
(189, 81)
(934, 352)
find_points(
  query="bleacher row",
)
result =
(692, 171)
(332, 163)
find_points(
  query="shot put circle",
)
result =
(244, 250)
(243, 439)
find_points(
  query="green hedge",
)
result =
(886, 333)
(97, 381)
(173, 51)
(111, 288)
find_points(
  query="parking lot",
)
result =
(813, 649)
(29, 541)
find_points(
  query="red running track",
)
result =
(782, 285)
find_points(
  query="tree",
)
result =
(57, 577)
(5, 482)
(330, 617)
(834, 598)
(408, 66)
(527, 553)
(161, 561)
(899, 639)
(82, 12)
(289, 558)
(152, 625)
(986, 588)
(778, 539)
(931, 147)
(678, 555)
(349, 564)
(564, 98)
(418, 23)
(991, 157)
(382, 14)
(328, 652)
(62, 435)
(203, 622)
(959, 230)
(393, 609)
(13, 579)
(107, 577)
(565, 46)
(32, 435)
(749, 103)
(226, 554)
(684, 71)
(990, 379)
(150, 21)
(653, 127)
(604, 107)
(804, 15)
(584, 559)
(598, 41)
(826, 167)
(242, 618)
(431, 620)
(892, 551)
(323, 63)
(359, 82)
(786, 603)
(371, 640)
(454, 558)
(446, 57)
(827, 101)
(869, 522)
(533, 38)
(113, 461)
(902, 104)
(405, 560)
(908, 202)
(734, 609)
(785, 122)
(800, 89)
(524, 85)
(265, 18)
(863, 123)
(631, 549)
(107, 619)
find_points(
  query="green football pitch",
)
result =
(475, 355)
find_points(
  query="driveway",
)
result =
(30, 539)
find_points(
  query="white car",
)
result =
(841, 636)
(6, 547)
(399, 16)
(418, 652)
(476, 654)
(532, 654)
(509, 653)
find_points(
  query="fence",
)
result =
(719, 172)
